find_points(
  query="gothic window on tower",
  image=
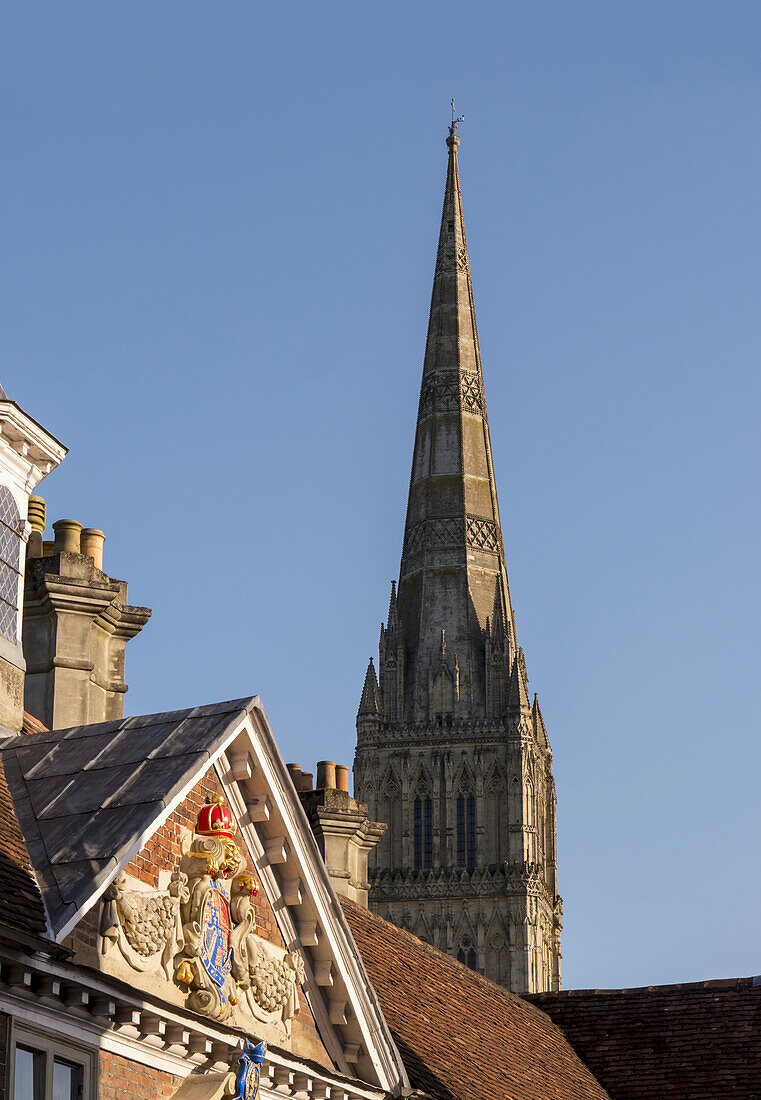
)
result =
(390, 811)
(422, 830)
(466, 953)
(466, 828)
(10, 568)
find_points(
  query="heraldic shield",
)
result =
(249, 1069)
(216, 956)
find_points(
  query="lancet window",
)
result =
(466, 952)
(422, 829)
(466, 827)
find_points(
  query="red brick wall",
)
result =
(120, 1078)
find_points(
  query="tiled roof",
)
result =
(668, 1042)
(22, 904)
(85, 796)
(461, 1036)
(31, 724)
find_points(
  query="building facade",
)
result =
(451, 752)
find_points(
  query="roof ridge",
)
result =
(707, 983)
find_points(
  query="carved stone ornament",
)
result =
(144, 925)
(201, 930)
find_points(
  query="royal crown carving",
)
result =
(200, 932)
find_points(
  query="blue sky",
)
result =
(219, 228)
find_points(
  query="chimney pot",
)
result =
(36, 514)
(294, 770)
(306, 781)
(92, 545)
(67, 536)
(342, 777)
(326, 774)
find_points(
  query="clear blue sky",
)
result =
(219, 227)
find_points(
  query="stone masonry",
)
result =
(451, 752)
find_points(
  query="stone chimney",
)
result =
(77, 623)
(341, 825)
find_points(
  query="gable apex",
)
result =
(234, 741)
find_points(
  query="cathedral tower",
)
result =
(451, 752)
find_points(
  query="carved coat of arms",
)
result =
(201, 930)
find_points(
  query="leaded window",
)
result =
(10, 563)
(422, 831)
(466, 829)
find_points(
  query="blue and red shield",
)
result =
(216, 937)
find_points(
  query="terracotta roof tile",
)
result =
(668, 1042)
(22, 904)
(30, 724)
(461, 1036)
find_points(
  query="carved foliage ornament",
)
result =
(201, 930)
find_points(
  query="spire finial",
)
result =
(453, 141)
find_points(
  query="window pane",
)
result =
(28, 1074)
(67, 1081)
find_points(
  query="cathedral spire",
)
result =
(452, 568)
(450, 752)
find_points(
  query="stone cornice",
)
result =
(102, 1013)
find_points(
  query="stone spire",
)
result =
(452, 574)
(450, 752)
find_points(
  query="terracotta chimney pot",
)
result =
(306, 781)
(294, 770)
(342, 777)
(326, 774)
(92, 545)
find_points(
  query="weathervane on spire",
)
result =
(453, 138)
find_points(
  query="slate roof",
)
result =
(668, 1042)
(461, 1036)
(85, 796)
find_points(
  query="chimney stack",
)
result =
(342, 828)
(77, 623)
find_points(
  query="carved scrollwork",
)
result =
(144, 925)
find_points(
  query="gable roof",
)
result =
(87, 797)
(461, 1036)
(670, 1041)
